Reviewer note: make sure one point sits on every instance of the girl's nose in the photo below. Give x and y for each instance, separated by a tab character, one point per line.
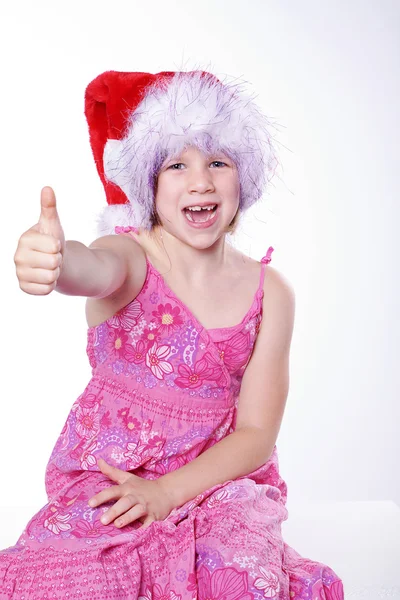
201	181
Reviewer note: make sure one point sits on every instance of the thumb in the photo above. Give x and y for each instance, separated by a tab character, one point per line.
113	473
48	209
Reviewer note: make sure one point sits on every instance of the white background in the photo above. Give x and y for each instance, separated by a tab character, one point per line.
328	74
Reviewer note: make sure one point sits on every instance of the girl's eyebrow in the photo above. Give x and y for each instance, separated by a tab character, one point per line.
212	157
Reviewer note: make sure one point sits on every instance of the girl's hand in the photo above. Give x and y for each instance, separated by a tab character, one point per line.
137	497
40	252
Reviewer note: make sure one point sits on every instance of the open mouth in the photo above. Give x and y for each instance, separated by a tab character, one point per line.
197	214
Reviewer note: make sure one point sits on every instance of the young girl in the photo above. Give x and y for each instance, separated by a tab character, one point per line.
164	482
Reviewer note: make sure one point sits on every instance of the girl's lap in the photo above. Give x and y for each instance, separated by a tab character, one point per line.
68	516
230	511
232	535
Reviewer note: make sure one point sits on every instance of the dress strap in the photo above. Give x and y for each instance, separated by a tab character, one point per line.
267	258
127	229
264	262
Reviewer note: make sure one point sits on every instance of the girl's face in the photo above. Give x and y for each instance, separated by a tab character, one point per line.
192	180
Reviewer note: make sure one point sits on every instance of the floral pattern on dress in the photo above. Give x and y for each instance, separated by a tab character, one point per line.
163	390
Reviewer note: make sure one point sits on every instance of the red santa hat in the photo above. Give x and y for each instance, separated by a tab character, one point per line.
138	120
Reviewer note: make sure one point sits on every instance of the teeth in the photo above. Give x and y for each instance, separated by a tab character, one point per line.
190	218
201	208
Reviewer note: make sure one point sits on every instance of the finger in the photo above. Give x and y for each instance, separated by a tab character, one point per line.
48	208
44	260
147	522
41	276
132	515
37	289
112	472
111	493
123	505
35	239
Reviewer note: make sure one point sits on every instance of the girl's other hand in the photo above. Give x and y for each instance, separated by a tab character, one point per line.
138	498
39	255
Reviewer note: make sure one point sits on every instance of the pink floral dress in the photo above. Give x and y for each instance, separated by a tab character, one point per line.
163	389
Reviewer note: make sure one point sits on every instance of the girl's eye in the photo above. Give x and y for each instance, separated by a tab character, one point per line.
177	164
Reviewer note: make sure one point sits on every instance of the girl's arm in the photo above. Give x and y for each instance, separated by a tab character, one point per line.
262	401
101	269
45	261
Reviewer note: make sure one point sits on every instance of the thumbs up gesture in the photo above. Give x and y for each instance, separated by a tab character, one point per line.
39	255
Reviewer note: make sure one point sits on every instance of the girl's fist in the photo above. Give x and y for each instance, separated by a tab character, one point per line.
39	255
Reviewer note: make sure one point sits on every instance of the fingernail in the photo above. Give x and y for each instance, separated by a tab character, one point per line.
104	519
